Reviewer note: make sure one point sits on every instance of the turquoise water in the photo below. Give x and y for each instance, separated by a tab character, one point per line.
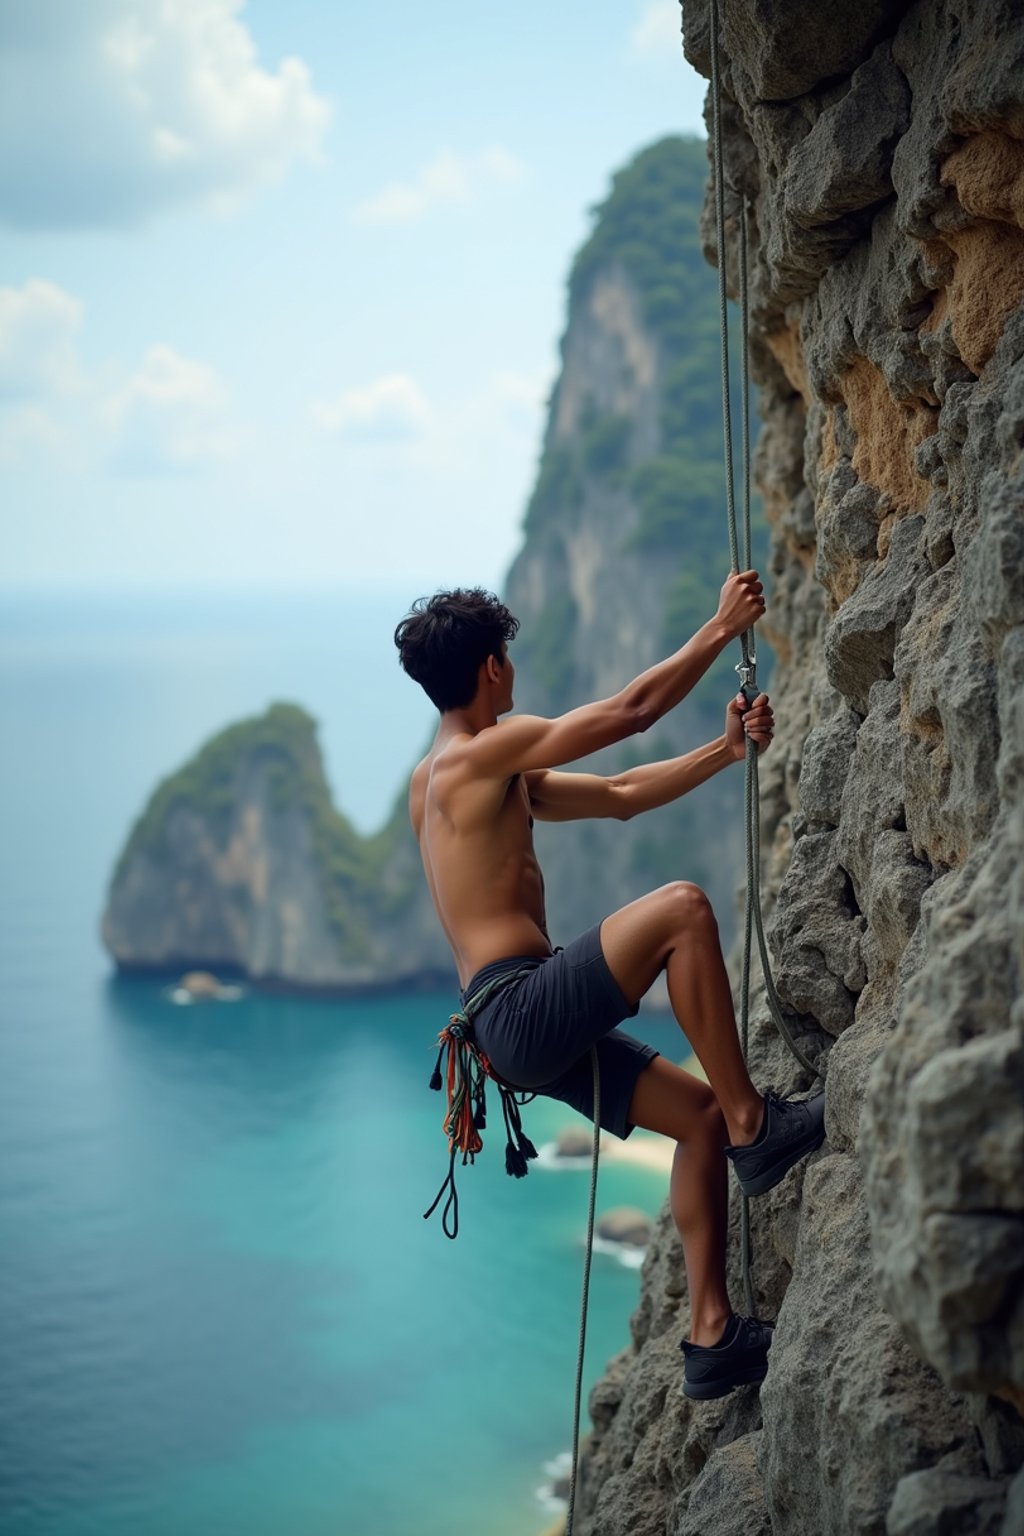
221	1311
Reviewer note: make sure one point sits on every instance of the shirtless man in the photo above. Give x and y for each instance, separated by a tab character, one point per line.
473	800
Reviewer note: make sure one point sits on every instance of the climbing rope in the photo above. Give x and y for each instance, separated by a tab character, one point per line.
594	1156
466	1075
747	669
747	666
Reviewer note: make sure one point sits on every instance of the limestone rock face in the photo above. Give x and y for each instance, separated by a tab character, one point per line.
626	546
881	151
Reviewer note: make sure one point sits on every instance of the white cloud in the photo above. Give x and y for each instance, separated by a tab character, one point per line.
394	412
114	109
169	416
446	180
521	397
500	165
391	409
29	431
38	347
658	28
522	388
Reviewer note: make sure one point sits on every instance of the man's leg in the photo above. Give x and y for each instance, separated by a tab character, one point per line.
674	930
674	1102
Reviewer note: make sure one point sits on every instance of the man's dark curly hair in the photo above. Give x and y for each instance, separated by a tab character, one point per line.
444	639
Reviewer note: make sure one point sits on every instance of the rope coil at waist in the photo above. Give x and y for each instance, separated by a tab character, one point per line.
466	1073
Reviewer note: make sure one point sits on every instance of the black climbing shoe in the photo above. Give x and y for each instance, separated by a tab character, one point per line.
740	1356
791	1128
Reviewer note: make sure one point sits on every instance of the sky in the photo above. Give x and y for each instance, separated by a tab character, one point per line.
282	282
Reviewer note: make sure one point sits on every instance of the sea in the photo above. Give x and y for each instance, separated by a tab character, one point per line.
222	1312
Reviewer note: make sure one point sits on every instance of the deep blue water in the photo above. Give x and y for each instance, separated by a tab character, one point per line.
221	1313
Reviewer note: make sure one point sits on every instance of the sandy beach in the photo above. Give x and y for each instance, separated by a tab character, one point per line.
644	1149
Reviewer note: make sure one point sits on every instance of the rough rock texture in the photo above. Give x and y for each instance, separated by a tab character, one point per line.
882	153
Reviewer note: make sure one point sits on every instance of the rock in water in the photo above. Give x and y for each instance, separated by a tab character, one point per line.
625	1224
200	984
574	1141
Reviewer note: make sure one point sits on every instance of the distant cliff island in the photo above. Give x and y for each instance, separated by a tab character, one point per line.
241	864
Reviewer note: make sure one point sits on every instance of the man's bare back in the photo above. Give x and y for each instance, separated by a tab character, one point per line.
476	842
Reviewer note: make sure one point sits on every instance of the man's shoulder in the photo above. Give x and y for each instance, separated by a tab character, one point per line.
510	731
436	766
454	766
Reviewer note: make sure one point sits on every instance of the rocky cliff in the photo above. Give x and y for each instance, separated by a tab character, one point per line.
881	151
240	861
626	542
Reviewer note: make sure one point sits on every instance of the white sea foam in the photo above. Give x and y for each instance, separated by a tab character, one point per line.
626	1254
555	1470
226	994
548	1156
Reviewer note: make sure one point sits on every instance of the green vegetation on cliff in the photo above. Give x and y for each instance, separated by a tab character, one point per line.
648	227
648	224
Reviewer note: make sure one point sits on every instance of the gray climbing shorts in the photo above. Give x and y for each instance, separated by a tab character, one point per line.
538	1031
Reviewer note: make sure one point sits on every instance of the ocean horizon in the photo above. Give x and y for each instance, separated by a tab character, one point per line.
222	1308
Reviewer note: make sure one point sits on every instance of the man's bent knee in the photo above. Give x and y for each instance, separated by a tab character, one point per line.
713	1121
707	1123
689	906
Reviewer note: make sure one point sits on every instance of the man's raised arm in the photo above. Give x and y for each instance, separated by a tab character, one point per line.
530	741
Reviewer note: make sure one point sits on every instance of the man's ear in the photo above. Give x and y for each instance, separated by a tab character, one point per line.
493	668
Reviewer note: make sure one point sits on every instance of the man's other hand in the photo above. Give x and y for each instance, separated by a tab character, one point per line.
757	722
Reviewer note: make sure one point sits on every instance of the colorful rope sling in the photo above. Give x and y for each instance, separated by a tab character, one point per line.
467	1072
